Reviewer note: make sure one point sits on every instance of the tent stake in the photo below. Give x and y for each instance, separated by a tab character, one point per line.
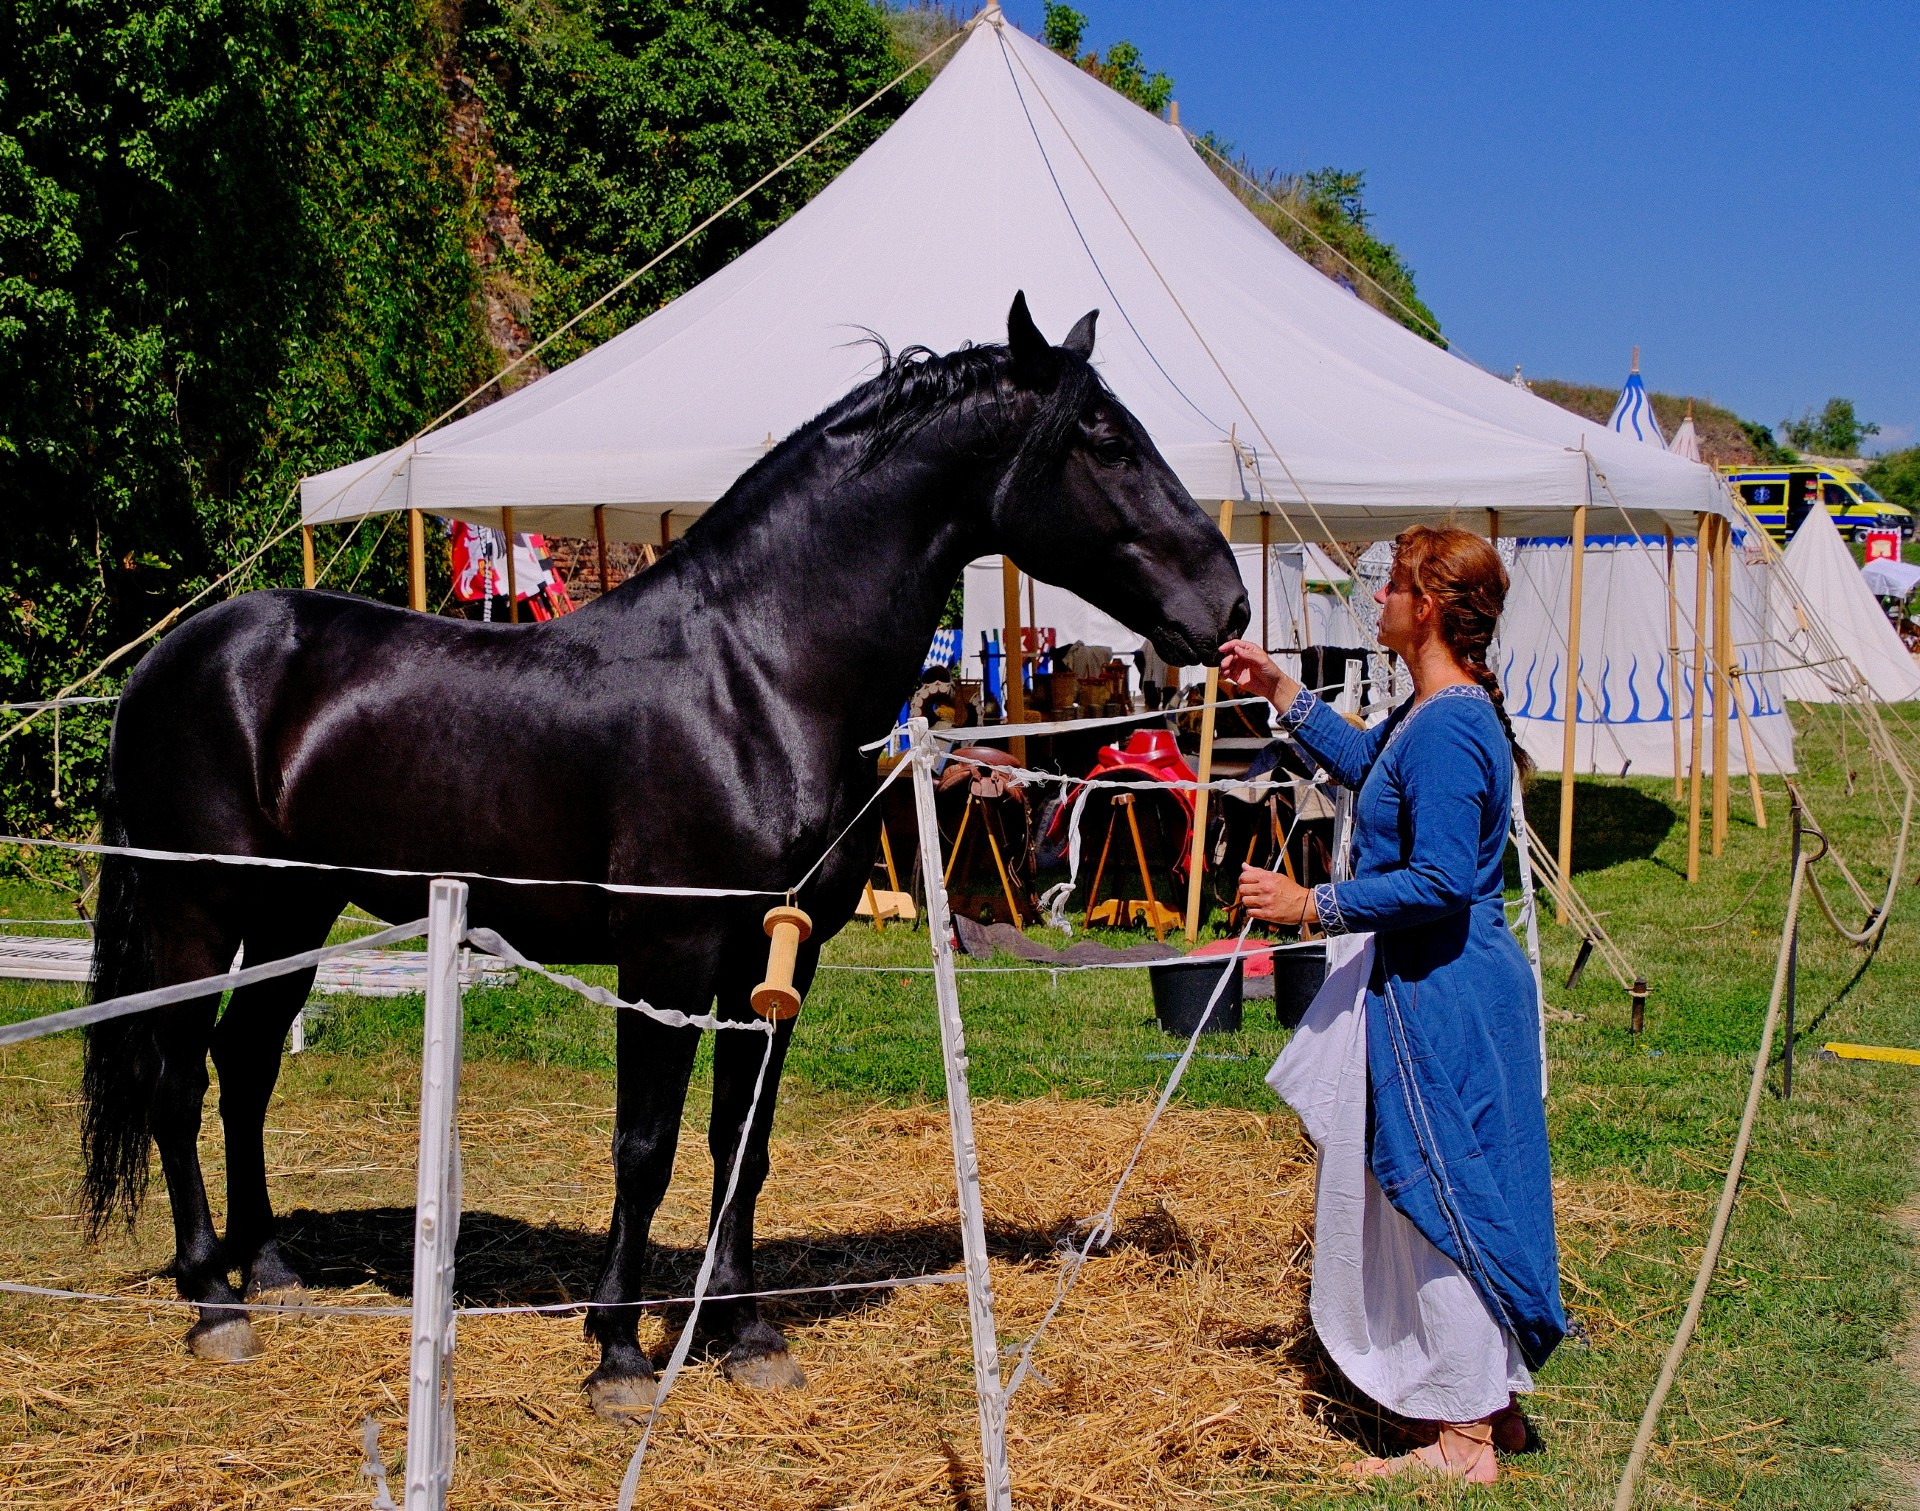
1701	553
416	561
513	588
1570	708
1199	850
1013	661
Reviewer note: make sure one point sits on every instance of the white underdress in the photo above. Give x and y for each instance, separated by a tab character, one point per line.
1401	1319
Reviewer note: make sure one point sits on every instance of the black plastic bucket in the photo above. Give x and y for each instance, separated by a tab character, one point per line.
1181	989
1298	975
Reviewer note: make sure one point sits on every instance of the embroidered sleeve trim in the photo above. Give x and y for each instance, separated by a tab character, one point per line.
1326	902
1295	713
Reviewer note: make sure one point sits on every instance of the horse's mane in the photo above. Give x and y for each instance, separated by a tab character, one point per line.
917	385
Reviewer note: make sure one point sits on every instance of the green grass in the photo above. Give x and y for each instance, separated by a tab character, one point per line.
1805	1320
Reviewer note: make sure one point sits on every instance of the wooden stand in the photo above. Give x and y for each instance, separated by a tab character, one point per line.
999	860
776	997
1118	911
1570	705
1196	859
890	901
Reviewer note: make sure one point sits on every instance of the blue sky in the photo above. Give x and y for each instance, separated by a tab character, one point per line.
1733	187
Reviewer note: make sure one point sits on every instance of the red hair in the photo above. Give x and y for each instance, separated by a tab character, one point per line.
1464	578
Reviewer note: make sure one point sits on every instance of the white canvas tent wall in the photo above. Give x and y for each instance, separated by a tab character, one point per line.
1628	691
1260	379
1830	586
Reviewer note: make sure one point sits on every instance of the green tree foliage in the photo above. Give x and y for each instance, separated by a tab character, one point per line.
1835	431
1896	477
630	121
231	251
1322	215
1122	69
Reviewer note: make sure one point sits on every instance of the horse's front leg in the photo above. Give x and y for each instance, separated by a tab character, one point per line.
654	1064
757	1354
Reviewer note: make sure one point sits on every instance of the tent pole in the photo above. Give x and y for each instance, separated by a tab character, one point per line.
308	573
1199	849
1493	527
1723	684
416	561
1266	571
1746	747
513	590
1701	553
1570	707
666	529
1673	666
600	540
1013	663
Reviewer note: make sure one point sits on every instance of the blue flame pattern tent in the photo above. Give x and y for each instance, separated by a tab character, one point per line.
1633	414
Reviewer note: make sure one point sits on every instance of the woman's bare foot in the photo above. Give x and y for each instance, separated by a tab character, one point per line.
1463	1451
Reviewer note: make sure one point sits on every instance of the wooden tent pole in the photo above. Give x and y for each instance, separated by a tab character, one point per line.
513	591
416	561
1013	665
308	573
1266	572
1673	666
1570	705
1723	684
600	540
666	529
1198	852
1746	747
1701	552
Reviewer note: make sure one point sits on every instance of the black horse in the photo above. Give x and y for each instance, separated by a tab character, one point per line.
699	727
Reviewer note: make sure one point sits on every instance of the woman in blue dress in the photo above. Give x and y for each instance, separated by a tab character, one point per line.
1418	1069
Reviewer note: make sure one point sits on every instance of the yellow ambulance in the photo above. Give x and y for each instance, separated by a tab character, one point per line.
1780	497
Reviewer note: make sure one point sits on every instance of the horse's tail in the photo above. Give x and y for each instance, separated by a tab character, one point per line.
123	1057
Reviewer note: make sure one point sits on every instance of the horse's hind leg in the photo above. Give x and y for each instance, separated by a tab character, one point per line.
246	1052
757	1354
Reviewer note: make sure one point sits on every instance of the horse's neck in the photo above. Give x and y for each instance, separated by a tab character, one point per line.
837	584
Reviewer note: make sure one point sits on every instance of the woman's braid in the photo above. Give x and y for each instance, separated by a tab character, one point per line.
1467	582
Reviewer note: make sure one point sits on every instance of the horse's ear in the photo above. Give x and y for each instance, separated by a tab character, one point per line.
1033	360
1080	339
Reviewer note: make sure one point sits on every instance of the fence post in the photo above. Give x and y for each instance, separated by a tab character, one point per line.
436	1212
966	1158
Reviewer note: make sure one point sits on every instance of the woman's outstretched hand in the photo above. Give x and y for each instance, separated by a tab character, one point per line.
1274	897
1245	664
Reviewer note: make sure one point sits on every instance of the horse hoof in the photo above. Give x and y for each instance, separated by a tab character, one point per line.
620	1399
225	1341
772	1370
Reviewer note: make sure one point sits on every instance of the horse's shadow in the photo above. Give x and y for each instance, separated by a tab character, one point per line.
506	1261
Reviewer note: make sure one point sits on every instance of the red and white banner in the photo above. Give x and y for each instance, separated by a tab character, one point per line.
480	570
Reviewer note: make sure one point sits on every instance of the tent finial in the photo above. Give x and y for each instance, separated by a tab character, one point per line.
1689	409
1636	359
1173	118
989	14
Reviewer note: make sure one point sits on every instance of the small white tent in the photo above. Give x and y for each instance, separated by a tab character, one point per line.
1629	690
1260	379
1633	414
1822	569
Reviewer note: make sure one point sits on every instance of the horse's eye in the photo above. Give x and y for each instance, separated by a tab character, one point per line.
1112	452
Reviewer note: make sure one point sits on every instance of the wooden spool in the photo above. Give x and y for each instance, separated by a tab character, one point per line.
775	997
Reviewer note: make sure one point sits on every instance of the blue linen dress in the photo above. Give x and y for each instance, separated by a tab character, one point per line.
1459	1133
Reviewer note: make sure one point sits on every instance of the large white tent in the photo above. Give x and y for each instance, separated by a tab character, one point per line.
1261	380
1829	585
